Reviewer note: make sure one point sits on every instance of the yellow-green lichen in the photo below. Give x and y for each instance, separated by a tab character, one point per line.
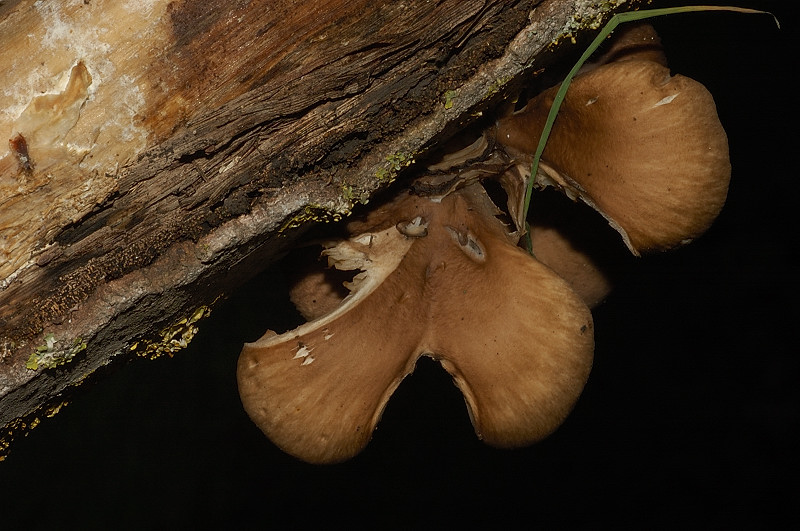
49	356
24	425
173	338
10	430
400	160
311	213
449	98
354	195
315	213
498	84
593	18
396	162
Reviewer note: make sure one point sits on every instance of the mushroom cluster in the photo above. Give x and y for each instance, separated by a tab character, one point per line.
441	274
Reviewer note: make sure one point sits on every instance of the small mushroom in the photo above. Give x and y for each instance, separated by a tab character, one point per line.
643	148
442	277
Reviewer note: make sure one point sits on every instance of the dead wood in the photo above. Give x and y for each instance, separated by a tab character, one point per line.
160	153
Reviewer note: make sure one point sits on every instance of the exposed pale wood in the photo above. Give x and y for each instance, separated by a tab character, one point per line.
156	150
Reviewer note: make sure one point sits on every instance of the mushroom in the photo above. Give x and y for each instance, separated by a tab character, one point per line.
442	277
643	148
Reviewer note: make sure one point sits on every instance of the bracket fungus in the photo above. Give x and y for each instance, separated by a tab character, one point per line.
440	274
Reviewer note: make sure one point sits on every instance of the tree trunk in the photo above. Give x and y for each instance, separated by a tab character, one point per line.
161	153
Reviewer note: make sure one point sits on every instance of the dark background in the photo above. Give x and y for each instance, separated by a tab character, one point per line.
689	419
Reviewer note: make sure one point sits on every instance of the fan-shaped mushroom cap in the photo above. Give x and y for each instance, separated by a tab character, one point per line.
644	148
441	278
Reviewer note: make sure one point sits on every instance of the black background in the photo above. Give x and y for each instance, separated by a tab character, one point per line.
689	419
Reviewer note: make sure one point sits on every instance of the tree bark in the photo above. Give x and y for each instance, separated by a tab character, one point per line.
161	153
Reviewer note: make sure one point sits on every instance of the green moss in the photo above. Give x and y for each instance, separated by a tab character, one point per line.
315	213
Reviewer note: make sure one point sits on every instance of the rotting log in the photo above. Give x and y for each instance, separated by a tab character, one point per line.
160	153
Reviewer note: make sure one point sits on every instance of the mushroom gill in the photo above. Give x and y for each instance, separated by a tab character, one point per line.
440	277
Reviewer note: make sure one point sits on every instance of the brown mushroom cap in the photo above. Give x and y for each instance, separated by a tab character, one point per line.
578	245
554	248
631	41
516	339
644	148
